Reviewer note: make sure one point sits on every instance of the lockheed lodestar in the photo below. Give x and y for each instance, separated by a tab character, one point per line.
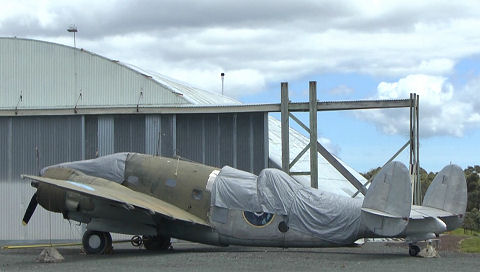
160	198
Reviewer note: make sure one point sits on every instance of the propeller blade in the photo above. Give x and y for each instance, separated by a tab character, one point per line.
30	209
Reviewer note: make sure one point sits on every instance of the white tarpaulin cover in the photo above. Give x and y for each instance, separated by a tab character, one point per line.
331	217
111	167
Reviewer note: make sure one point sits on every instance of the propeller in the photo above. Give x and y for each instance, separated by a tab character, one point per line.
30	209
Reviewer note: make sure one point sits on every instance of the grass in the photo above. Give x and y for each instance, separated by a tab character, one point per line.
460	232
471	243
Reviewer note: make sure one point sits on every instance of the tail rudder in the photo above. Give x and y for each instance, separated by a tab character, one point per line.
387	204
448	192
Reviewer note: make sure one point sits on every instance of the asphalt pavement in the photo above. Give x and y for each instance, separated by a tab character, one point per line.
185	256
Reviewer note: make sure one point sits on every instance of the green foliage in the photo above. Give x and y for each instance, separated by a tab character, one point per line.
425	180
472	220
472	181
370	174
473	187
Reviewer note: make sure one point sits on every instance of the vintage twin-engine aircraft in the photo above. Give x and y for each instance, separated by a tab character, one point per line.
161	198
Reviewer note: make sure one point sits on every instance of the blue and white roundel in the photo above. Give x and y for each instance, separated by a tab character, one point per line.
258	219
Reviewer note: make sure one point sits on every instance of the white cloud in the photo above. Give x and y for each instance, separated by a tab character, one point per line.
443	109
257	42
341	90
330	146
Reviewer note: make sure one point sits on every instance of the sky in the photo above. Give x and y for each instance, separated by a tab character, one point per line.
354	50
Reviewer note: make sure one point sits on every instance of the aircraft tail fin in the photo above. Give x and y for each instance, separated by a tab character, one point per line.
387	204
448	192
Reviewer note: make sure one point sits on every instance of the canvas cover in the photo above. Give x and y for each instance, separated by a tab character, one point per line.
111	167
331	217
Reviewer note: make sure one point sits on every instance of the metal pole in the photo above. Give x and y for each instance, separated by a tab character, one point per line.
285	128
313	135
222	75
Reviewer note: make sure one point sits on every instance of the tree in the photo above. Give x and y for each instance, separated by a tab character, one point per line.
473	187
472	220
472	182
425	180
473	200
371	173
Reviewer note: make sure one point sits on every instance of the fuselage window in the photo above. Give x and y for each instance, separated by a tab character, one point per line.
258	219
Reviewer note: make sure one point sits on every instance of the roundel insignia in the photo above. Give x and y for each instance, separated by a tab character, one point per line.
258	219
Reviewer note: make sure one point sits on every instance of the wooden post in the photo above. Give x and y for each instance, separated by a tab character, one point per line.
414	148
285	128
313	135
417	159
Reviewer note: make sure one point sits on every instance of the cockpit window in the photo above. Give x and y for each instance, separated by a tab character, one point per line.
258	219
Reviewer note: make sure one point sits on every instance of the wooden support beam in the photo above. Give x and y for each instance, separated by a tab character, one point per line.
299	173
417	110
304	150
340	168
300	123
313	135
285	128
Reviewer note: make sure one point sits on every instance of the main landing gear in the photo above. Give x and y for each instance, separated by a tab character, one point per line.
156	242
96	242
151	242
413	250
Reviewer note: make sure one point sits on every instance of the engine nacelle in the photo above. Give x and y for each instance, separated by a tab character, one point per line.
59	200
51	197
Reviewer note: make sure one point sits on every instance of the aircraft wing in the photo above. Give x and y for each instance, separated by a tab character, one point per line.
122	196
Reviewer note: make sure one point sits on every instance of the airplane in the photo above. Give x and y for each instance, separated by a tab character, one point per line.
158	198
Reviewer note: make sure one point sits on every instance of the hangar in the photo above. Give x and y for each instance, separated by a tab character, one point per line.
60	103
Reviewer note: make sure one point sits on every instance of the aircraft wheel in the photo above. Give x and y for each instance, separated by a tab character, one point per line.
413	250
156	242
96	242
136	241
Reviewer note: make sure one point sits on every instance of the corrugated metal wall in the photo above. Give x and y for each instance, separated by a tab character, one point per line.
129	133
105	136
28	144
223	139
5	148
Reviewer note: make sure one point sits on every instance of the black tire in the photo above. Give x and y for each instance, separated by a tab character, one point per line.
156	242
96	242
413	250
136	241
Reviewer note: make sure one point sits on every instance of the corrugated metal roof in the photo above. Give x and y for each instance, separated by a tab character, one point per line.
192	94
49	75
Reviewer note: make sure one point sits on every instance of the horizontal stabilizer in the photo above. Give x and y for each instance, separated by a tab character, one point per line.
381	213
387	204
